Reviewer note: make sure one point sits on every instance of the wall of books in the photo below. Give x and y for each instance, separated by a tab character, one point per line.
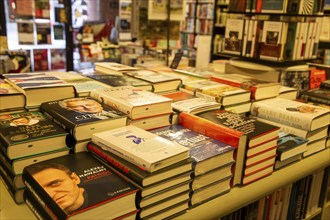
35	26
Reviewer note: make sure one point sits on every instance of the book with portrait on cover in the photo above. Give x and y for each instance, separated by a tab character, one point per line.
29	133
142	148
83	116
67	188
134	102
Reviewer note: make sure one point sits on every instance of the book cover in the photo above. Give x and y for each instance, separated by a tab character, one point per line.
82	117
193	86
43	33
134	102
259	89
58	32
140	176
195	105
206	152
25	33
178	95
288	112
121	80
84	190
141	147
273	6
236	6
29	133
114	66
273	40
161	81
321	96
42	9
8	93
306	7
40	60
291	40
317	76
58	59
233	36
151	122
289	145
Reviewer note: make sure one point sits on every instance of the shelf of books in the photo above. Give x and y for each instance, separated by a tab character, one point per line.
220	206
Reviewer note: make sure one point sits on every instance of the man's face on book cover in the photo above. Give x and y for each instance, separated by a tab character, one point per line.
62	187
84	105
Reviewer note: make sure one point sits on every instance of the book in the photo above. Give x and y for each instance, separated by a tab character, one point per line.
25	33
151	122
161	81
105	189
224	94
195	105
35	206
315	146
325	84
319	95
82	84
16	194
240	108
136	103
9	93
29	133
141	147
233	36
273	6
279	164
178	95
317	76
42	9
40	60
135	173
207	153
291	41
193	86
40	87
121	80
247	179
291	113
259	89
273	40
288	93
112	68
58	31
58	59
82	117
15	179
43	33
290	145
256	167
193	71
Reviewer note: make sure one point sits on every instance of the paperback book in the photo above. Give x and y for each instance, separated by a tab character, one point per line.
29	133
82	117
145	149
94	186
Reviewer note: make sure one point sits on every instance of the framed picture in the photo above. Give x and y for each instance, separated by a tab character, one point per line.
157	10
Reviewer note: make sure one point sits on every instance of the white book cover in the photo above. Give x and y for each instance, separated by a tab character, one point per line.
115	66
234	36
271	40
309	40
135	102
143	148
245	35
293	113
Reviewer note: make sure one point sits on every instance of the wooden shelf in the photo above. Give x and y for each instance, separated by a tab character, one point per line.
241	196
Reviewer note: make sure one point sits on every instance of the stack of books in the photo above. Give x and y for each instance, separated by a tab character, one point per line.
159	167
78	186
24	140
255	141
305	120
81	117
40	87
319	95
144	109
212	162
290	148
112	68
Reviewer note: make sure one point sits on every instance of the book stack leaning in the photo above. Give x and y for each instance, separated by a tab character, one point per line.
160	168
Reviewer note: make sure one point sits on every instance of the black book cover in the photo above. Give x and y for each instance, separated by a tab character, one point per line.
119	80
287	142
35	206
25	130
320	95
141	177
79	185
74	112
16	179
251	127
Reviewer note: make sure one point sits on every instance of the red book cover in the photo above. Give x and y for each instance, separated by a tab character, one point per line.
316	77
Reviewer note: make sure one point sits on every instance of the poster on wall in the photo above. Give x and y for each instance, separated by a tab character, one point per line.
157	10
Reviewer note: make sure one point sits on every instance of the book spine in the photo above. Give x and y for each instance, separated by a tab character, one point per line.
43	198
35	207
119	166
305	95
16	194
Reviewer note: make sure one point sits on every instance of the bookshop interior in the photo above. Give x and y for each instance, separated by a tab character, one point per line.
165	109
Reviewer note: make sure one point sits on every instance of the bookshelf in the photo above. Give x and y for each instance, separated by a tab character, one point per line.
220	206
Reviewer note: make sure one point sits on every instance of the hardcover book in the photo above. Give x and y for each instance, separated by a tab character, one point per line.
259	89
151	122
16	194
29	133
58	59
290	145
195	105
234	36
321	96
136	103
140	176
16	179
40	87
273	6
143	148
25	33
40	60
112	68
206	152
292	113
43	33
193	86
8	93
121	80
325	84
161	81
91	188
82	117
